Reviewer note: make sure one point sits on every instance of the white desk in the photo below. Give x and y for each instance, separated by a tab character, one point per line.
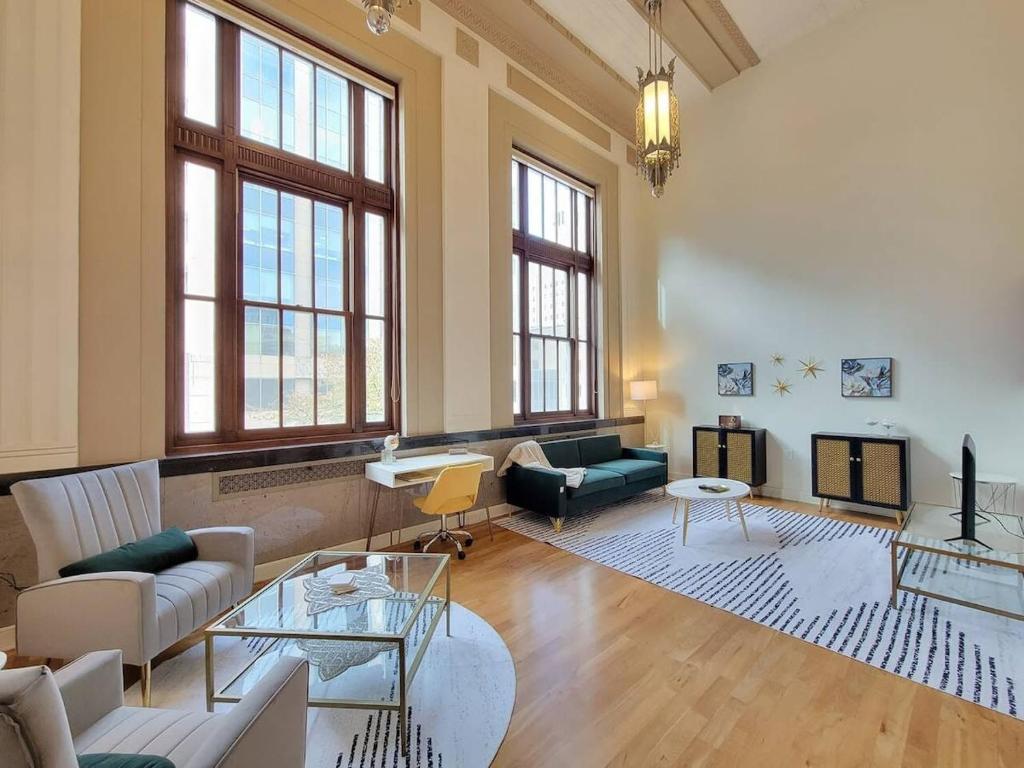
415	470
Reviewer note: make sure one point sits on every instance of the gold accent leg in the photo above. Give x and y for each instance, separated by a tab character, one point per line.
209	673
490	530
557	523
743	520
146	683
821	506
686	518
728	512
448	598
675	511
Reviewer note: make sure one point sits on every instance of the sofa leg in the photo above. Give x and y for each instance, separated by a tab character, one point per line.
556	522
146	683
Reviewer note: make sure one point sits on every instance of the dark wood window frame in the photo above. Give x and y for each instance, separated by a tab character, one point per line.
236	158
533	249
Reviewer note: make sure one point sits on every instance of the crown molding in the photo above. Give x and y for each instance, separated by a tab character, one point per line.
570	68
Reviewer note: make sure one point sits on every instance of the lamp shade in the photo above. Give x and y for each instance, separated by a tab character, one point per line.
643	390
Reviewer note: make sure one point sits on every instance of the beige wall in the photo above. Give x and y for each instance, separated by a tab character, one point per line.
858	194
448	362
39	124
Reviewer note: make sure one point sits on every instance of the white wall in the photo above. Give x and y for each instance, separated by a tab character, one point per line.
40	44
861	193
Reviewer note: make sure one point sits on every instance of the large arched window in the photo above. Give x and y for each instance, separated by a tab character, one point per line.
553	349
282	263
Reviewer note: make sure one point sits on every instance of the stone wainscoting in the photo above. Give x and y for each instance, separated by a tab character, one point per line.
294	508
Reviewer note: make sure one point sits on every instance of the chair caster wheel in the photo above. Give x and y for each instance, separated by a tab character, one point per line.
469	543
417	545
462	555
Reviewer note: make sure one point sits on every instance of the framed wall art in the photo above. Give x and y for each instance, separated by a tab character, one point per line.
867	377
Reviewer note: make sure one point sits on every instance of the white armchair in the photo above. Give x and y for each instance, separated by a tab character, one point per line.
47	719
72	517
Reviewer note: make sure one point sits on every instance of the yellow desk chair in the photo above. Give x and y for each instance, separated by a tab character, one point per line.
454	491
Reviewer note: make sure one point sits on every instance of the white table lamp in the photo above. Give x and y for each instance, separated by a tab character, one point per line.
642	391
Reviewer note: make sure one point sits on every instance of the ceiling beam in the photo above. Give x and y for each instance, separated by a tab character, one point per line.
704	35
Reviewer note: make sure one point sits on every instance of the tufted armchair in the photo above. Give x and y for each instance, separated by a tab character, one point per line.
72	517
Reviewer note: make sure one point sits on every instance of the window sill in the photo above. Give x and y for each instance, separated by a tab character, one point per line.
361	447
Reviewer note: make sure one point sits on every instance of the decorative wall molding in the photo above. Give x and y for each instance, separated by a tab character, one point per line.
733	30
467	47
541	97
611	102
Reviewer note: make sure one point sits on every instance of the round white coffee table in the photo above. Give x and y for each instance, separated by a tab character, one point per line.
690	490
3	659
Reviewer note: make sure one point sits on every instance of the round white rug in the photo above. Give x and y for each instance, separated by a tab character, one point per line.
460	702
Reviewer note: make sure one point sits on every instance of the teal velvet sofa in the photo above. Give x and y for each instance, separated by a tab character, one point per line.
613	473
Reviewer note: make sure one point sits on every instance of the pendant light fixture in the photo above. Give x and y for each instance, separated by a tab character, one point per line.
657	114
379	13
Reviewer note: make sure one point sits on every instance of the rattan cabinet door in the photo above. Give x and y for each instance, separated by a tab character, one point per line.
881	474
739	456
705	455
833	458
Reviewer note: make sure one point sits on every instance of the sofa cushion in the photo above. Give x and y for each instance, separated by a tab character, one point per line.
34	730
176	735
189	595
596	480
150	555
632	469
562	453
594	450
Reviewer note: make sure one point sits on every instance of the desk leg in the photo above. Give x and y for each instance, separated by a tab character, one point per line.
373	514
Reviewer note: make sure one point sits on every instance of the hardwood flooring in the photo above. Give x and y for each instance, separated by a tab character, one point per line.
614	672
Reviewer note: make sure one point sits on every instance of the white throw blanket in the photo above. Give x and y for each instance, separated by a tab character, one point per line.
530	454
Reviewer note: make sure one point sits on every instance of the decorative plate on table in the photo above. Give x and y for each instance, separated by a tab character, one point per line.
369	585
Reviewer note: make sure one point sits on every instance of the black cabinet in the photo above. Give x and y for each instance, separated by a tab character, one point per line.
863	469
738	454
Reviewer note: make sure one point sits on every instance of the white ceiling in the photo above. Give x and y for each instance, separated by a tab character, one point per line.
618	34
772	24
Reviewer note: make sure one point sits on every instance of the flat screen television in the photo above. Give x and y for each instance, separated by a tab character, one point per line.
968	500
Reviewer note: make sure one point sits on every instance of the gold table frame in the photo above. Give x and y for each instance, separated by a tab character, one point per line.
969	553
400	639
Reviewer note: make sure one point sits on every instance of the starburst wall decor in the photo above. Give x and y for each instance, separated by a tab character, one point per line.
782	387
777	359
810	368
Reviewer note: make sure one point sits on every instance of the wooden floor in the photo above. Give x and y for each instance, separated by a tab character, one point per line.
613	671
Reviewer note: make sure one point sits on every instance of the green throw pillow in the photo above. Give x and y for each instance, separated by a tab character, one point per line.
152	555
123	761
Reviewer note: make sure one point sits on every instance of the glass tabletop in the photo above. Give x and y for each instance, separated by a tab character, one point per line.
931	527
393	589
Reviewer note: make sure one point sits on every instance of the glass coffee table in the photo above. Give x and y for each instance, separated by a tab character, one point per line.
363	648
989	578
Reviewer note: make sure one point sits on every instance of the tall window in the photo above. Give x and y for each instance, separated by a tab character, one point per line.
282	263
554	356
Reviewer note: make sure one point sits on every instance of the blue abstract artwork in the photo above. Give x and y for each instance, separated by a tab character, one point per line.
867	377
736	379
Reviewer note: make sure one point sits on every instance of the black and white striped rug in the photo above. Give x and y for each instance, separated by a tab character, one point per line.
816	578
